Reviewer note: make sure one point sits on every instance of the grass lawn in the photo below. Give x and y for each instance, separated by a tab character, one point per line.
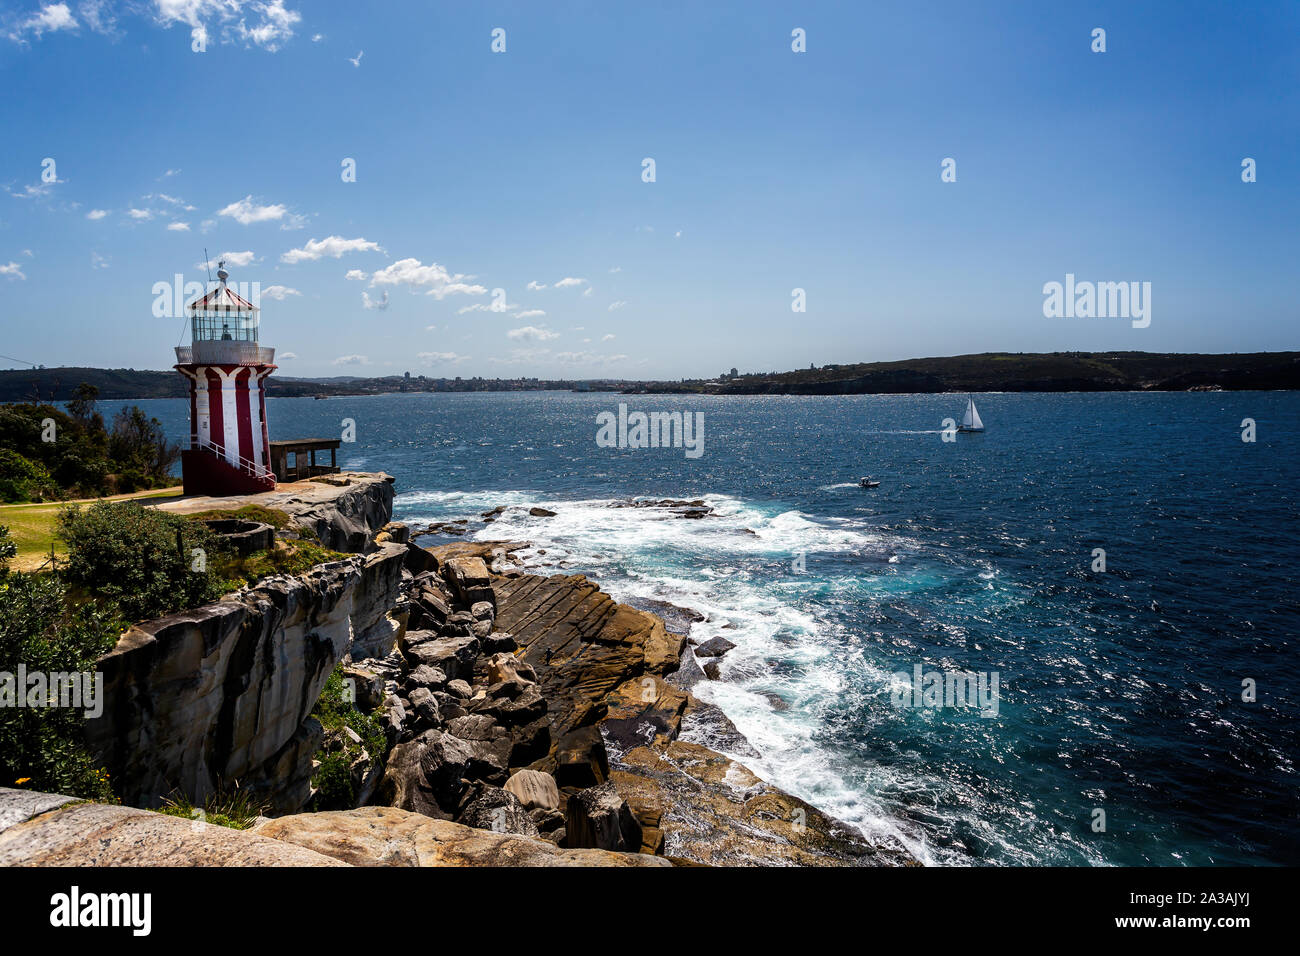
33	526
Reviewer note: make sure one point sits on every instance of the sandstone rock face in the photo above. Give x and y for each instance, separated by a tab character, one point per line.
385	836
93	834
201	698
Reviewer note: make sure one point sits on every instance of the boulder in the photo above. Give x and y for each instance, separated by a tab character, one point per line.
424	775
425	707
714	647
535	790
498	810
418	560
541	513
469	579
454	656
367	687
425	676
580	759
460	688
598	817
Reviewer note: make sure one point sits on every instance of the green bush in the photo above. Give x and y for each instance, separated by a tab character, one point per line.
333	781
141	558
22	479
43	748
7	549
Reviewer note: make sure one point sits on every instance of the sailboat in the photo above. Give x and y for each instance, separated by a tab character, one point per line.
970	422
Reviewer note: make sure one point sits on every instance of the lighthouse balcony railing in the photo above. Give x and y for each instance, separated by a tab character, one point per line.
221	352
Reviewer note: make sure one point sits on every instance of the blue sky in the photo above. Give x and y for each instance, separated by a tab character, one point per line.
775	170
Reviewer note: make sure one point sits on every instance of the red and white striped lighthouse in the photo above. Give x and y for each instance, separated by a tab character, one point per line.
229	451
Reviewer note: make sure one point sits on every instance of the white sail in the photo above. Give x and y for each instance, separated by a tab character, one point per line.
971	420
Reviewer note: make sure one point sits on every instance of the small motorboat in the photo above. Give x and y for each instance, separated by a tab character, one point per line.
867	482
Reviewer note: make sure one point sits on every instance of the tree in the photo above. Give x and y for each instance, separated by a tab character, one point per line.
43	748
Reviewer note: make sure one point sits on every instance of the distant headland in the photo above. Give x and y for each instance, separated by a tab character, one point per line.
983	372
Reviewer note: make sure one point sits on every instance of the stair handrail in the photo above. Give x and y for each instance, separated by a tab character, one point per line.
250	468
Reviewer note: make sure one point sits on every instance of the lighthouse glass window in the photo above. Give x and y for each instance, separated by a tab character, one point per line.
225	326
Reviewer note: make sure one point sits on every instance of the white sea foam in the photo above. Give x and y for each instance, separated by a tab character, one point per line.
735	568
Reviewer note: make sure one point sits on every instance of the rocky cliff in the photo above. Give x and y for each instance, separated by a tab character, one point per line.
202	698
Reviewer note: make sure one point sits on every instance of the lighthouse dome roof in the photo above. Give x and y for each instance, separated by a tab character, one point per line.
221	298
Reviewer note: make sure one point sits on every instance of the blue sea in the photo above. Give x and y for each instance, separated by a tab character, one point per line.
1119	691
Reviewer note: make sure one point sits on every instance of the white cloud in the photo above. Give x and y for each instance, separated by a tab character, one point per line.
607	338
283	356
99	262
351	360
532	333
49	19
440	282
356	60
529	314
236	259
140	214
356	275
334	246
317	37
169	173
569	282
13	271
263	23
441	358
380	304
615	269
535	286
178	227
615	306
586	293
96	214
279	292
245	211
677	234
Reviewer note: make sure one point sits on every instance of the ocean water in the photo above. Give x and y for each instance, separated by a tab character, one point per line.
1119	691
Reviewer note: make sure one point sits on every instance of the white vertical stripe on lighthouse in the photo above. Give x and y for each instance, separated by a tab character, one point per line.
201	407
255	416
230	415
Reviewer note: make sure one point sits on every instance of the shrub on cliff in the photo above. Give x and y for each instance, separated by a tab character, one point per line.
147	561
335	780
42	747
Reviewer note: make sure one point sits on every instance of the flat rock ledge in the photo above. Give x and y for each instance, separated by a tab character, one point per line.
39	829
343	511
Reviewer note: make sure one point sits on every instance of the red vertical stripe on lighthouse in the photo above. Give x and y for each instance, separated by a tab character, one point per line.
216	415
194	412
245	413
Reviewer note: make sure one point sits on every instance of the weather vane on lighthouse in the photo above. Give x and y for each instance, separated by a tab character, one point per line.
229	452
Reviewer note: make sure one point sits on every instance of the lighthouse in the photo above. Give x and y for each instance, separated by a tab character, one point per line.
226	367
